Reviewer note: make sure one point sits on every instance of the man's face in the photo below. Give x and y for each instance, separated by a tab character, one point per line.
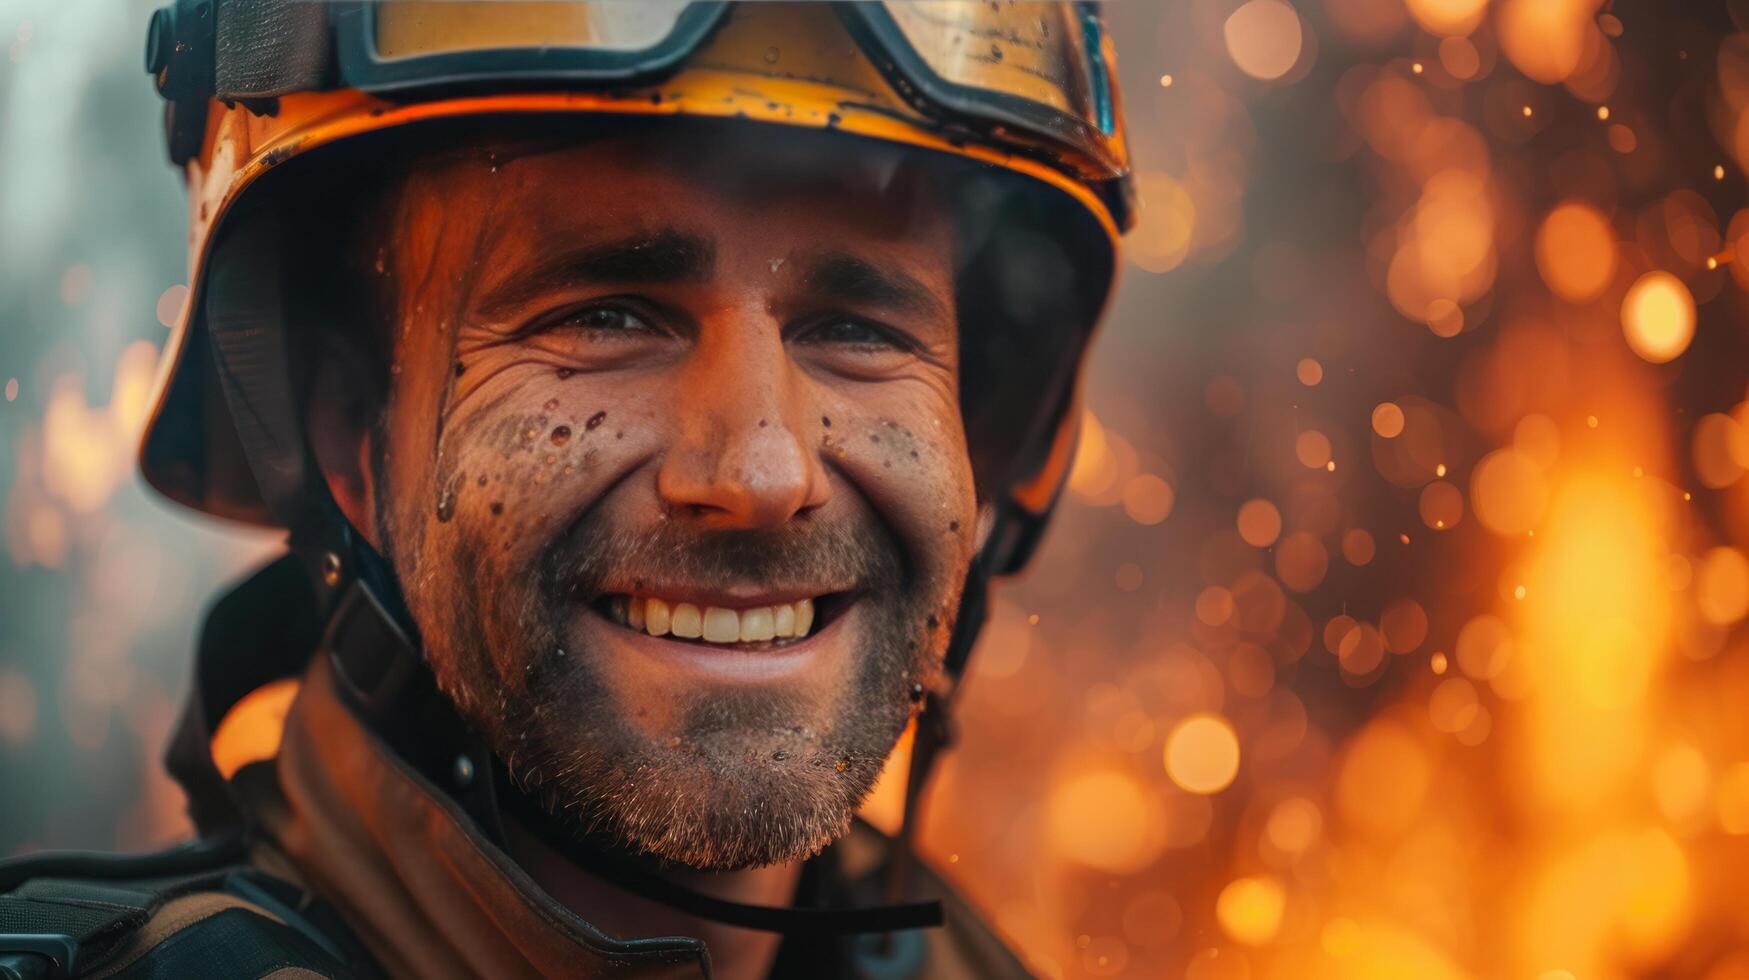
659	400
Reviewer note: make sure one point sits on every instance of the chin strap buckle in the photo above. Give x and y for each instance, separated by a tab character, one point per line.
373	658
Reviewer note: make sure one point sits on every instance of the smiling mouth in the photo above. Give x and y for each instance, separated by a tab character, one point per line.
761	627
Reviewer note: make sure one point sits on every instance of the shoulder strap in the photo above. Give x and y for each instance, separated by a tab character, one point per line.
49	926
62	908
64	915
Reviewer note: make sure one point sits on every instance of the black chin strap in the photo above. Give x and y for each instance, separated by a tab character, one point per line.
385	681
639	877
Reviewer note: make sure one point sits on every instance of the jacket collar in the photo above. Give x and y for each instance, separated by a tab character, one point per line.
422	886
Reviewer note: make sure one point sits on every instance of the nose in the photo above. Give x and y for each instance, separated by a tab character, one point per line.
741	459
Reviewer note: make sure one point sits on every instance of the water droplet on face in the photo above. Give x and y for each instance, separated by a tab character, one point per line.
561	435
771	55
595	420
551	404
776	264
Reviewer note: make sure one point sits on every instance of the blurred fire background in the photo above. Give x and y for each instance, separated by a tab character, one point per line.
1393	623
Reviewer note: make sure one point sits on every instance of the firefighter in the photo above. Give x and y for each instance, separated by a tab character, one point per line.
649	393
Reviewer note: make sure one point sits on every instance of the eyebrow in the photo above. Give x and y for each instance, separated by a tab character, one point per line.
847	278
666	255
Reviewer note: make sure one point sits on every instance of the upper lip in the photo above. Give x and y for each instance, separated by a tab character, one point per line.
743	596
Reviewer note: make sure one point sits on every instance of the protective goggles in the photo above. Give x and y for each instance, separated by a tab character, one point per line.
1026	73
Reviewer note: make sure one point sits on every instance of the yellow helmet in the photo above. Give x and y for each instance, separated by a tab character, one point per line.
1024	88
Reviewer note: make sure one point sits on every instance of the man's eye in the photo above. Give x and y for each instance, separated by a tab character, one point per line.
608	319
854	333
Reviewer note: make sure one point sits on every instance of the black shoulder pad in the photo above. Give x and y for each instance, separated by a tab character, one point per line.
234	943
67	913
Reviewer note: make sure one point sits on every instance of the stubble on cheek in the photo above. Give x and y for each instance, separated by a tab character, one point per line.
504	486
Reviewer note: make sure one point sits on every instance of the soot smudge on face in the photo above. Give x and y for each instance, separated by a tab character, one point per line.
446	497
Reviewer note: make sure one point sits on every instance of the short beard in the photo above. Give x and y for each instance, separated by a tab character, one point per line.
740	783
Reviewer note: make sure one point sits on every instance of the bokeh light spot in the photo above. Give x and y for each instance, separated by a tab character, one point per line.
1358	547
1404	626
1453	705
1147	499
1484	645
1657	317
170	304
1264	38
1576	251
1441	505
1250	909
1202	754
1301	561
1312	449
1259	523
1508	492
1722	586
1721	450
1106	819
1387	420
1452	18
1294	825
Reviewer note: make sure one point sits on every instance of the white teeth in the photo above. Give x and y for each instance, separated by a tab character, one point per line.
656	621
714	624
758	625
721	625
688	622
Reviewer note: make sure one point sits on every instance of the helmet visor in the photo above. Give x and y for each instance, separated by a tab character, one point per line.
416	28
1041	67
1039	70
392	45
